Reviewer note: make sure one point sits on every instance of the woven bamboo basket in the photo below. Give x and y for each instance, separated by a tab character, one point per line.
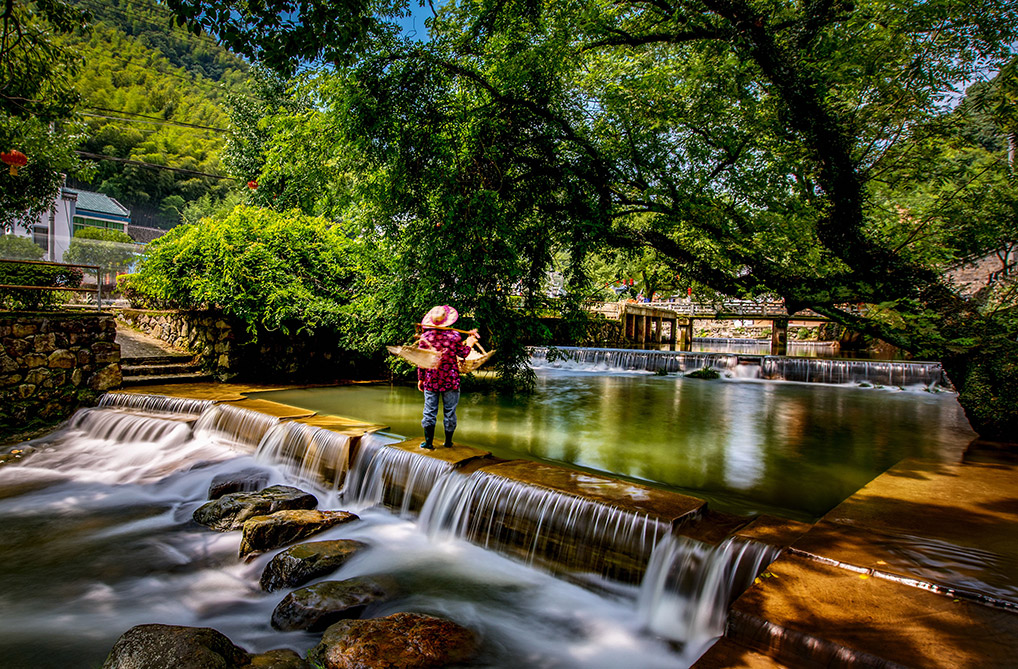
419	357
475	359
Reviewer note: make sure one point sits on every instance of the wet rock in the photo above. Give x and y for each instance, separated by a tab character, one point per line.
301	563
278	659
262	533
230	511
317	606
246	480
165	646
396	641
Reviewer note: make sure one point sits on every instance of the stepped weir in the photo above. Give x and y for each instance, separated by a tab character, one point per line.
460	528
607	534
778	368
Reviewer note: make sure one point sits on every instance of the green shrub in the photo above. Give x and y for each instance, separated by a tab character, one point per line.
280	271
110	250
704	373
19	248
18	274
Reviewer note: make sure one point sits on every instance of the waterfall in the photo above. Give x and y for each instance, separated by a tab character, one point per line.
881	372
239	426
689	585
120	426
160	403
614	359
539	524
115	446
810	370
312	454
398	478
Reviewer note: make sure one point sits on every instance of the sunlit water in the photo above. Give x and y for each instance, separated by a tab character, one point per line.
97	537
796	450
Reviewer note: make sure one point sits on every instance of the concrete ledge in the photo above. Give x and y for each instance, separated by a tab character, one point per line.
806	613
726	654
631	497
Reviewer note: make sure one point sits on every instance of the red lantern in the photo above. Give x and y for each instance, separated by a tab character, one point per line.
252	184
15	159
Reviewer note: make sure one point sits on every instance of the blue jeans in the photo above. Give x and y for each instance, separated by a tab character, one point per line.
450	398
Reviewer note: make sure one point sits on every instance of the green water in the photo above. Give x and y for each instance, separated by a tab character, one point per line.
794	450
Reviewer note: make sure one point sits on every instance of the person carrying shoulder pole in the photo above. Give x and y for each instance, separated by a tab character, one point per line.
444	380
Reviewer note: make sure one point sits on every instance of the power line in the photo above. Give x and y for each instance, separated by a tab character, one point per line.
150	19
143	118
138	163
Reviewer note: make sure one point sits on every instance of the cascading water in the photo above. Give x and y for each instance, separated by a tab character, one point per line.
122	426
807	370
689	586
883	372
240	426
97	537
314	455
541	524
399	479
612	359
160	403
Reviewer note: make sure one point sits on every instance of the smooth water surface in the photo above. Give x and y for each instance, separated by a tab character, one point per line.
792	449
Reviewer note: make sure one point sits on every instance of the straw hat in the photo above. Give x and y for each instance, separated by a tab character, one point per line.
440	317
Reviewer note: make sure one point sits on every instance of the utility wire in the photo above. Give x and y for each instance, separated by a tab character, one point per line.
143	118
153	20
138	163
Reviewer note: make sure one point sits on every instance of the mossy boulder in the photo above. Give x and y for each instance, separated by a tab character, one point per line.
263	533
401	640
317	606
299	564
704	373
154	646
230	511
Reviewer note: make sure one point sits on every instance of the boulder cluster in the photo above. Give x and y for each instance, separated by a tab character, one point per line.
275	517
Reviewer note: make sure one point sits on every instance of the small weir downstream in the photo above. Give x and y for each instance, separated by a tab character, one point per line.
97	537
897	373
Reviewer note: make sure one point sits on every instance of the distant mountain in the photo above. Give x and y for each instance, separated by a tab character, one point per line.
153	94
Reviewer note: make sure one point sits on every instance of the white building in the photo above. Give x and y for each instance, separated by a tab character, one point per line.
72	211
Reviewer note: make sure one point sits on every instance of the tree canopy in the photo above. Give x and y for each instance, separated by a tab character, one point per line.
757	147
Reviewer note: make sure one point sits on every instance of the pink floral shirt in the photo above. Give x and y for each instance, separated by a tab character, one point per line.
447	375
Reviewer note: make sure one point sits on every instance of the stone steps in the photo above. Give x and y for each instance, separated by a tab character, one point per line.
158	378
162	369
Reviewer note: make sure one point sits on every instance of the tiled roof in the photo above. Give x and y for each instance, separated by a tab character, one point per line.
98	203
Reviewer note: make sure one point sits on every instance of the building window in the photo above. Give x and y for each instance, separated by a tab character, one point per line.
81	222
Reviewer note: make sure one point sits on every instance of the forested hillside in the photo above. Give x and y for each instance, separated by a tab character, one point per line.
154	94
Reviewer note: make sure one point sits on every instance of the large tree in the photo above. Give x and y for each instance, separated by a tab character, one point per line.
36	98
762	147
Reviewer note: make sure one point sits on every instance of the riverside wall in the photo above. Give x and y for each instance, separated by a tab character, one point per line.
227	348
53	363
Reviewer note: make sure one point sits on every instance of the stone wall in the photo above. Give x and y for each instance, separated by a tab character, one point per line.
208	335
51	364
225	347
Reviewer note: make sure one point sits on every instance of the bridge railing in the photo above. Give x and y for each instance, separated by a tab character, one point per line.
749	309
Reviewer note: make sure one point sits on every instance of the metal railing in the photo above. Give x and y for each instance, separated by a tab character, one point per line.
98	289
727	309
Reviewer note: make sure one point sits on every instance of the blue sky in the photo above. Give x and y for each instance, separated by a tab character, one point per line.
414	24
